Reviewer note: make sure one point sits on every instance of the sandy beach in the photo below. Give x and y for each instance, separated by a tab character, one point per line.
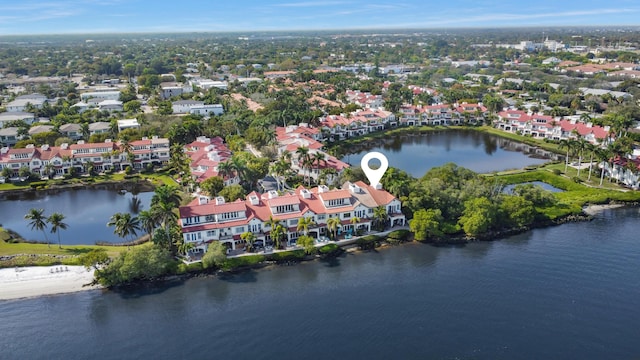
594	209
24	282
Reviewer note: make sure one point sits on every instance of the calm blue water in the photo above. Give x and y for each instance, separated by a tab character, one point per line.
87	213
567	292
509	188
480	152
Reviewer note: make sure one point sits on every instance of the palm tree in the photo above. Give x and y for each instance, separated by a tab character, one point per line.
166	194
591	149
568	144
580	146
225	169
354	220
125	224
317	158
332	226
148	221
38	221
277	234
380	217
165	214
304	223
303	157
84	129
250	238
56	225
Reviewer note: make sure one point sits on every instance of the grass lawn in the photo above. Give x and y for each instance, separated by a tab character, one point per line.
43	255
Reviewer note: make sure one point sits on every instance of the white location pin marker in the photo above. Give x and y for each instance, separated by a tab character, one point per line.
374	175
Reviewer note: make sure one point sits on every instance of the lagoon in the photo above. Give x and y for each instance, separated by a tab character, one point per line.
475	150
87	213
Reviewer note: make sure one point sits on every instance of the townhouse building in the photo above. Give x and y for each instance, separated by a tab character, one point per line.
548	127
206	220
442	114
205	156
339	127
46	160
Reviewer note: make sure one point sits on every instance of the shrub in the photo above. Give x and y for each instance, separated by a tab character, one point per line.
368	242
556	171
576	179
242	261
399	235
283	256
188	268
38	184
330	250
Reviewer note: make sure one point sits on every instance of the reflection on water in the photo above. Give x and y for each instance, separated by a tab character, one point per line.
478	151
86	211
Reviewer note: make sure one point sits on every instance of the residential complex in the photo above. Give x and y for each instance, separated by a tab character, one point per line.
46	160
206	220
548	127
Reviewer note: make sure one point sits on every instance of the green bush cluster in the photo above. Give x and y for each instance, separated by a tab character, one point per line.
330	249
398	236
242	261
283	256
368	242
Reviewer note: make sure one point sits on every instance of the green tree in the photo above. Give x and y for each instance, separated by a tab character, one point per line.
232	193
278	234
148	221
94	259
139	263
38	222
304	224
516	211
124	225
380	218
249	238
56	220
332	225
215	256
478	216
308	243
426	224
212	186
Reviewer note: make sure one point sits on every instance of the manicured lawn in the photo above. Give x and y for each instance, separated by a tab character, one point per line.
41	249
42	255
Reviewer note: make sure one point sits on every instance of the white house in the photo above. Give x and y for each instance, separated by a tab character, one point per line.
128	124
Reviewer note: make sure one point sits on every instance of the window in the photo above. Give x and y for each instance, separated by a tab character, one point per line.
293	222
322	217
284	209
336	202
346	215
211	233
239	230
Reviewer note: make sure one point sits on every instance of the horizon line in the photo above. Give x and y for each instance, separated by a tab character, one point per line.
342	30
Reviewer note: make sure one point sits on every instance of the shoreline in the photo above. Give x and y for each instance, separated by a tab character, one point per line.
37	281
594	209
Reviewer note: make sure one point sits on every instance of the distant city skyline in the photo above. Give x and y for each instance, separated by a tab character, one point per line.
26	17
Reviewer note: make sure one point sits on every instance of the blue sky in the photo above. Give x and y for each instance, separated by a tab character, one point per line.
100	16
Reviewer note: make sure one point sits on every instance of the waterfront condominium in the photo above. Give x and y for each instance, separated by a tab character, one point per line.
205	220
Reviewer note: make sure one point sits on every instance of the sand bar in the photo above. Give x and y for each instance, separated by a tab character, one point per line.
25	282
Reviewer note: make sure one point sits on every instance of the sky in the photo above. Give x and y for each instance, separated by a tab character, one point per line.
18	17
